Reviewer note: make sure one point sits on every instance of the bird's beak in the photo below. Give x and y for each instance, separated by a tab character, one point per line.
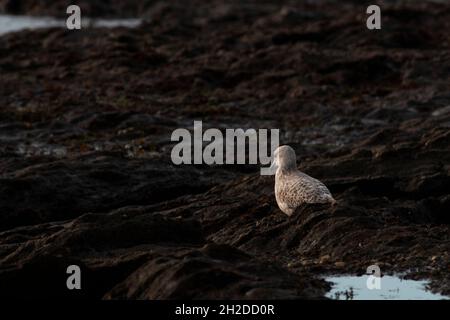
274	165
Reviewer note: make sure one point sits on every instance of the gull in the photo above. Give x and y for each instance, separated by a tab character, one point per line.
293	187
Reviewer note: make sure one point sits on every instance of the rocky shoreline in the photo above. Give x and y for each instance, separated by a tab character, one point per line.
87	179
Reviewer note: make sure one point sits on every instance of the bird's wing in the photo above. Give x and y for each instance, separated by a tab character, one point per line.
302	188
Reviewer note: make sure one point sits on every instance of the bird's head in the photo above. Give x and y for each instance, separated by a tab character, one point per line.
284	158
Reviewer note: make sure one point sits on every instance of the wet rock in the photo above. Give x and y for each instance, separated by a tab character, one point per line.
131	254
64	189
366	113
11	6
220	278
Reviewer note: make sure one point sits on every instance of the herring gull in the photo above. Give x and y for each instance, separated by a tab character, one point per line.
293	187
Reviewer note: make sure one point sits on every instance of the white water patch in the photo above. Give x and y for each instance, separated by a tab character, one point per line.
392	288
41	149
11	23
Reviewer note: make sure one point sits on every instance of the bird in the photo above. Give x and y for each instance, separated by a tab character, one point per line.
293	187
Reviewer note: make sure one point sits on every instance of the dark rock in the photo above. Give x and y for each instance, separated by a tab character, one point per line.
86	176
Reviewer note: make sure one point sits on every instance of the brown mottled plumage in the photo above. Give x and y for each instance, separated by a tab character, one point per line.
292	187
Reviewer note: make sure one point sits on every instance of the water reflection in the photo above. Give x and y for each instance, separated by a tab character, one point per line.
11	23
392	288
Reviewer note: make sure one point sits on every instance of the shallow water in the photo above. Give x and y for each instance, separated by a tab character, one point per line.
41	149
391	288
10	23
